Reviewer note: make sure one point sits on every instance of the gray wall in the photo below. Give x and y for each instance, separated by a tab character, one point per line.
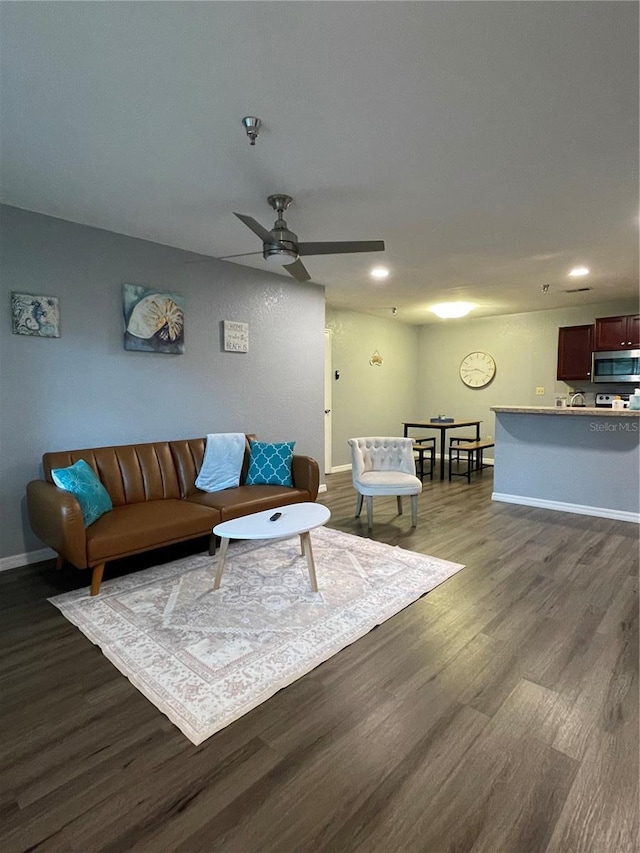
84	390
370	400
525	348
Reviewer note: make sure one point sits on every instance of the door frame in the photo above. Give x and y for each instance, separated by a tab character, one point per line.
328	395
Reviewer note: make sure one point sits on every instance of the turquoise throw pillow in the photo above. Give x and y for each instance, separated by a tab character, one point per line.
270	464
80	480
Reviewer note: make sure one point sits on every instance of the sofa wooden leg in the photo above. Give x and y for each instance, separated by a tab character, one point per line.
59	561
96	578
212	545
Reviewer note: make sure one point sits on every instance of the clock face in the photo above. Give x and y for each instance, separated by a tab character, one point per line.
477	369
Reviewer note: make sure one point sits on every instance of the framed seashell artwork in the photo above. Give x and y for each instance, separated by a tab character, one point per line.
153	319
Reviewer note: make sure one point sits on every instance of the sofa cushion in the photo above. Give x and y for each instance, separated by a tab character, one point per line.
233	503
270	463
130	473
80	480
149	524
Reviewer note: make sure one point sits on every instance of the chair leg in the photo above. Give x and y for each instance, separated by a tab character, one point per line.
369	511
399	499
414	510
358	505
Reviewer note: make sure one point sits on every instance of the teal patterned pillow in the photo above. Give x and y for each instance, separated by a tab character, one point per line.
80	480
270	464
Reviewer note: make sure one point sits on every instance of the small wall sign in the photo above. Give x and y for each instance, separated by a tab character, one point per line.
236	336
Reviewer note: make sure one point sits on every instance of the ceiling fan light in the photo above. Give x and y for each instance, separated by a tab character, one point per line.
280	256
450	310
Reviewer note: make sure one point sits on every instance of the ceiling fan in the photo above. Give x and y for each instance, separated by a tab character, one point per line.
281	246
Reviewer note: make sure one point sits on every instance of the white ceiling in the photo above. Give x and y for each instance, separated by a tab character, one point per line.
491	145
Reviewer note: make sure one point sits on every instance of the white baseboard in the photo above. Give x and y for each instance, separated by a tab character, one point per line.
337	469
25	559
578	509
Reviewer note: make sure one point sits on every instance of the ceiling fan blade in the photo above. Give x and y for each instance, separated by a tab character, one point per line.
340	247
298	270
243	255
251	223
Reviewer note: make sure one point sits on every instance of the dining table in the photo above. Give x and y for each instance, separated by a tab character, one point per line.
443	426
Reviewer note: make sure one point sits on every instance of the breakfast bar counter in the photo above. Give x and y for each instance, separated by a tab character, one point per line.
590	411
582	460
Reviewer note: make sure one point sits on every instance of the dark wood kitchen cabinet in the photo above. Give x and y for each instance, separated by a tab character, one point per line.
575	345
617	333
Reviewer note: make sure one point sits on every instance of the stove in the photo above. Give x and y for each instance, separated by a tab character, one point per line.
604	401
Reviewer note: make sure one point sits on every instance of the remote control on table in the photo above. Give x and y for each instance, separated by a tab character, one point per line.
275	516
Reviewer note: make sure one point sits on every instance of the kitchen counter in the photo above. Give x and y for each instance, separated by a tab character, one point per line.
569	410
583	460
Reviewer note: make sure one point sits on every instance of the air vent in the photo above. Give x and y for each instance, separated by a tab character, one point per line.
578	290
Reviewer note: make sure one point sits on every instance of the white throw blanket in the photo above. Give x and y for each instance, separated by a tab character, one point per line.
222	463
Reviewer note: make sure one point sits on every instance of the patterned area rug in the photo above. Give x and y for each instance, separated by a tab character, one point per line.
205	658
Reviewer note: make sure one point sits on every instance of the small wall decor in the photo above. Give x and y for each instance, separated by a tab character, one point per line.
153	319
376	359
236	336
35	315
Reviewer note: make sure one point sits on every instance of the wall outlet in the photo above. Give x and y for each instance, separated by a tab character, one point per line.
539	391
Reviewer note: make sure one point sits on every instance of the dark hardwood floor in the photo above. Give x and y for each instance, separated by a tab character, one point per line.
497	714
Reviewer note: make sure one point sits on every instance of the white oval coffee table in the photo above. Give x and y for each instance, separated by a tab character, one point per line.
294	520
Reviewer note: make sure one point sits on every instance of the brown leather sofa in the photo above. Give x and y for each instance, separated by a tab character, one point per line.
155	501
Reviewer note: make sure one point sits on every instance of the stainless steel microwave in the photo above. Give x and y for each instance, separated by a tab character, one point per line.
616	366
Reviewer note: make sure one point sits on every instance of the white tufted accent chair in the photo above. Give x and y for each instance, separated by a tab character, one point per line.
384	465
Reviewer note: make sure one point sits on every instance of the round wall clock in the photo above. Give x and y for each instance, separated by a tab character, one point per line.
477	369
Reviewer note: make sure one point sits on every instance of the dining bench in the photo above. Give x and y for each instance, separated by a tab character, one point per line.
474	451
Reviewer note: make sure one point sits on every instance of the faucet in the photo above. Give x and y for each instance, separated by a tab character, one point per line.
572	401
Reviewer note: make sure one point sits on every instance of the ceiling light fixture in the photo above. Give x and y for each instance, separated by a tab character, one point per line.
450	310
252	126
379	272
578	271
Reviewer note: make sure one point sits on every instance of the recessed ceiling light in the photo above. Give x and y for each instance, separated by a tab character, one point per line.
578	271
379	272
448	310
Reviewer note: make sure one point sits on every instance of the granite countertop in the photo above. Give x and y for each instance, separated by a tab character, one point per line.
568	411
